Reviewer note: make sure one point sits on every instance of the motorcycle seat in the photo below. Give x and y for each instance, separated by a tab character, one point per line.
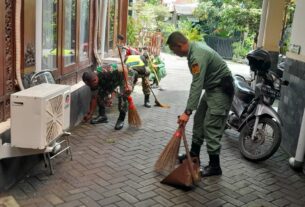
242	86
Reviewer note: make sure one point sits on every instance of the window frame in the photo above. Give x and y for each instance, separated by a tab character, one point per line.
61	69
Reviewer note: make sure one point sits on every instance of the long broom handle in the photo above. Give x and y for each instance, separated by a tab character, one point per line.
154	71
125	78
152	91
187	151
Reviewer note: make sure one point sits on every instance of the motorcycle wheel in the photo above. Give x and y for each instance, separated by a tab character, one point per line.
266	141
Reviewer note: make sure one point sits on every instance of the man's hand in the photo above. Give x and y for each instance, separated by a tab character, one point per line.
127	90
183	119
87	117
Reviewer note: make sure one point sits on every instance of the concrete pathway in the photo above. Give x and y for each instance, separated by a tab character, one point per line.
115	168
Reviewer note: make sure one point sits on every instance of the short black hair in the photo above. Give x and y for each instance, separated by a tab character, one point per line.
88	76
176	37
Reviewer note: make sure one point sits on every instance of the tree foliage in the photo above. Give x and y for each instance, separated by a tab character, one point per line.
235	18
208	15
228	17
149	16
231	18
186	28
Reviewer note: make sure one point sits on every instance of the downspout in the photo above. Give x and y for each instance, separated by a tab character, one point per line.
297	161
96	20
103	28
18	42
38	35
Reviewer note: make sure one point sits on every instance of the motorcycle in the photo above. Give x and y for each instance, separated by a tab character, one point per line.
251	112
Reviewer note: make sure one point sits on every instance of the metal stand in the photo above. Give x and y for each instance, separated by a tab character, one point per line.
51	151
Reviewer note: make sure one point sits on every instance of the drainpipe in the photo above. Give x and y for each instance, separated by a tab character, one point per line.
38	34
96	21
297	161
103	27
18	42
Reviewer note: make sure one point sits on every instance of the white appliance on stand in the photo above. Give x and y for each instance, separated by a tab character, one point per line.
39	115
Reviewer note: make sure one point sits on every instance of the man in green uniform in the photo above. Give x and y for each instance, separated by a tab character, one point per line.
102	85
211	73
138	63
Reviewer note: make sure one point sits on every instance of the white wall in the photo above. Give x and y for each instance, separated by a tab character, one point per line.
298	26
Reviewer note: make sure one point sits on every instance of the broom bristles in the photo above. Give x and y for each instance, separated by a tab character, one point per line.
134	119
168	157
157	103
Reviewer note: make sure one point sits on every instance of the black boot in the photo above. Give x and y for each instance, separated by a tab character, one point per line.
102	118
195	151
120	122
99	119
213	168
146	101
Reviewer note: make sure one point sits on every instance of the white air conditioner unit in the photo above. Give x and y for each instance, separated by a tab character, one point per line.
39	115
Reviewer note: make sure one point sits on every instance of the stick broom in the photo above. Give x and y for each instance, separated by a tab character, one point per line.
168	157
133	115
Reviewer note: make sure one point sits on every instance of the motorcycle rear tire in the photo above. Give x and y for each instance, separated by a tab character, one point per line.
245	135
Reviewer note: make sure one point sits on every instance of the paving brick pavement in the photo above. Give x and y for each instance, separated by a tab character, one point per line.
115	168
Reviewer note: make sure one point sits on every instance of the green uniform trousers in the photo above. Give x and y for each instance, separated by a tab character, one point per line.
210	119
142	72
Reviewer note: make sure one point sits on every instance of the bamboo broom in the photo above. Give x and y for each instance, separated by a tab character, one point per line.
134	119
157	102
168	157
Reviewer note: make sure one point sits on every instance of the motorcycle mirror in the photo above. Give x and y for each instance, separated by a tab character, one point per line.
121	37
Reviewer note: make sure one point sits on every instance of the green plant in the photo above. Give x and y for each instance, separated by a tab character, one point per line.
189	31
228	18
241	48
208	16
133	30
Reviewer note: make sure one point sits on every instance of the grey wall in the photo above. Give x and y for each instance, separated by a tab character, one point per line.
80	100
292	103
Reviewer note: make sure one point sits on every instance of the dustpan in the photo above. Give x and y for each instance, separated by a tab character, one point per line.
187	174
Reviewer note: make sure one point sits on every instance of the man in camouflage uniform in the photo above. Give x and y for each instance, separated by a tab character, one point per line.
102	86
211	73
138	64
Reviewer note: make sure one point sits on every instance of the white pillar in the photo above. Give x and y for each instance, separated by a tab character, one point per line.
262	24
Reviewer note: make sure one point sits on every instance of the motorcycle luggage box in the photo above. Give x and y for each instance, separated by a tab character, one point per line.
243	91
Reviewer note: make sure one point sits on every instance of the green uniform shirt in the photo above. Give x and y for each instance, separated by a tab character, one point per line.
109	81
207	68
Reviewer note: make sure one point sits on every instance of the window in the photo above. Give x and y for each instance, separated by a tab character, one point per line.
66	35
49	34
112	24
84	30
69	43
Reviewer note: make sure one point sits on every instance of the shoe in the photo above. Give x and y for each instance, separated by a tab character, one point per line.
99	119
146	102
211	171
147	105
182	157
213	168
195	151
119	124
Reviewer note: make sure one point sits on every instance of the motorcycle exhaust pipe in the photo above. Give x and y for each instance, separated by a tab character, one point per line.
297	161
